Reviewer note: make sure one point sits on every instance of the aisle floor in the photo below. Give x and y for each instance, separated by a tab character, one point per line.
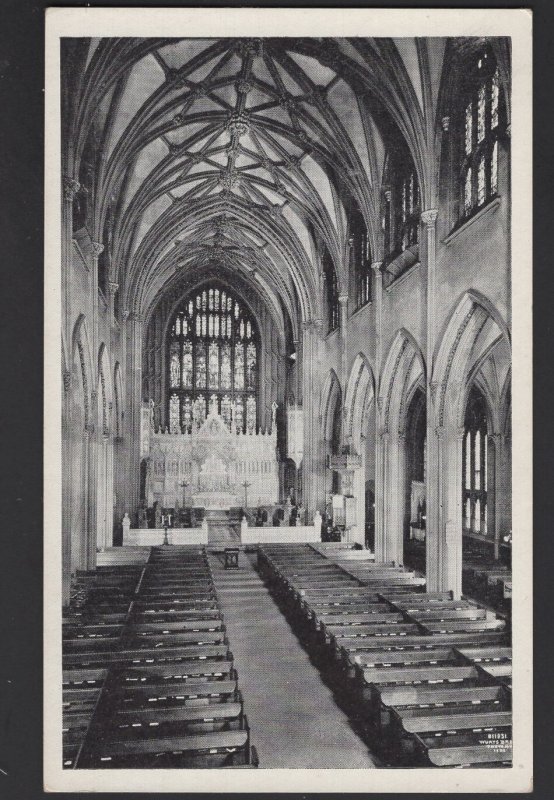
294	718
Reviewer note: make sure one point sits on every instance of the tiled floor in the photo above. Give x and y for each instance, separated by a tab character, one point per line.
294	719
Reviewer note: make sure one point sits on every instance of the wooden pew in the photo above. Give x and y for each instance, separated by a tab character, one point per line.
208	750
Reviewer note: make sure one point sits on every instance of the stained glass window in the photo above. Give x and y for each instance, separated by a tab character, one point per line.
200	365
468	192
469	129
239	366
481	182
225	366
213	365
251	414
186	418
212	347
174	367
475	467
187	364
480	132
494	169
494	99
481	114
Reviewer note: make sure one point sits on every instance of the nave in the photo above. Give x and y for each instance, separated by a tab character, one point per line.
303	656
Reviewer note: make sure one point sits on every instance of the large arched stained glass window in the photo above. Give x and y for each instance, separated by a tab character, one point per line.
212	359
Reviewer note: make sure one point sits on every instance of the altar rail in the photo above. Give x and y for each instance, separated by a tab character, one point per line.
303	534
151	537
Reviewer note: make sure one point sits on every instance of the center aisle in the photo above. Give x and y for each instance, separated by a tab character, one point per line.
294	719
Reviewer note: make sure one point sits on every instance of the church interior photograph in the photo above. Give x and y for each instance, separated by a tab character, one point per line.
286	403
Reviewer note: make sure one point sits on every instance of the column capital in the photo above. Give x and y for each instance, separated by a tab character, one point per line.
343	299
70	188
459	432
113	287
445	122
429	217
66	380
89	429
376	267
384	434
440	431
97	249
134	316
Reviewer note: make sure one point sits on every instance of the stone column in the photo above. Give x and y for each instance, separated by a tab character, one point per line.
451	527
394	497
429	220
70	189
359	494
343	327
312	459
97	249
88	553
381	488
495	453
134	325
381	433
357	533
434	545
378	299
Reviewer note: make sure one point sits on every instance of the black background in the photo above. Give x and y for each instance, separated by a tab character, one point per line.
21	413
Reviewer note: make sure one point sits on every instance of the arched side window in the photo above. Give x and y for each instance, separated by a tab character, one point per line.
402	203
481	118
360	257
212	359
474	465
331	292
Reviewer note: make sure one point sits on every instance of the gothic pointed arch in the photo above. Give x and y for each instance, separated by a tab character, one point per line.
473	332
105	389
359	398
81	348
404	369
331	395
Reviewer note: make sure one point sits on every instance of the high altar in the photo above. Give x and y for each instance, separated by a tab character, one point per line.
208	467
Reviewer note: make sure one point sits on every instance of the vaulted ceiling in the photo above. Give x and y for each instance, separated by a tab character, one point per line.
242	153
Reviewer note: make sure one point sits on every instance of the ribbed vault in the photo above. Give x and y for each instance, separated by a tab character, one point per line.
242	153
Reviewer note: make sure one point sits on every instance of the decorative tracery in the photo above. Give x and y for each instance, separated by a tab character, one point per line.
480	129
212	358
475	465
